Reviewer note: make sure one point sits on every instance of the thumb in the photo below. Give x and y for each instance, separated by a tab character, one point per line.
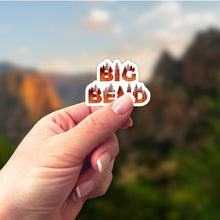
96	127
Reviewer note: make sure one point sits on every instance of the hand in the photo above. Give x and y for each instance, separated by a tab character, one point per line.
65	159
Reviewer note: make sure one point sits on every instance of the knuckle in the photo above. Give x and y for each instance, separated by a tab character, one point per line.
102	186
105	186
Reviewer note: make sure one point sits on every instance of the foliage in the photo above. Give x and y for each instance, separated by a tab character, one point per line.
6	150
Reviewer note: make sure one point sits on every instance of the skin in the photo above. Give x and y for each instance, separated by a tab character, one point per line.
56	156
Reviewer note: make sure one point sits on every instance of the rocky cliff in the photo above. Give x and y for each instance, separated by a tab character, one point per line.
24	99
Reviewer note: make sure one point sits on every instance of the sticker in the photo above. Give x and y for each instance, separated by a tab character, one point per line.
114	80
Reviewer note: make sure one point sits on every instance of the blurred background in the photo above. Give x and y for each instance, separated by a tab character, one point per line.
169	161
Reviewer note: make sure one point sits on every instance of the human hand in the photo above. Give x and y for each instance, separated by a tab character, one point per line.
65	159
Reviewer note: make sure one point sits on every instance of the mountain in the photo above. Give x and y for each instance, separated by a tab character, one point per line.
184	93
168	66
27	95
199	65
25	98
179	91
175	106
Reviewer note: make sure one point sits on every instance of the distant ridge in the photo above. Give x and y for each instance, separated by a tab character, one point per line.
69	87
6	67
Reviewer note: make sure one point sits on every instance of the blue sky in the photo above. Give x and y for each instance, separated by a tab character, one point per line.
73	37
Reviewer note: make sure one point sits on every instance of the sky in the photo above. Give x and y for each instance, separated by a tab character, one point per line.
73	37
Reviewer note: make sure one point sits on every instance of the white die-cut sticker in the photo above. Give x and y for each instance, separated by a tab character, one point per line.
114	80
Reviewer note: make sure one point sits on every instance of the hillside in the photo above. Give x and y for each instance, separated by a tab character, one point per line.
24	99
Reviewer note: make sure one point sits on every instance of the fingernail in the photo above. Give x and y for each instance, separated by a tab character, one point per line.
123	104
84	188
103	161
131	123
